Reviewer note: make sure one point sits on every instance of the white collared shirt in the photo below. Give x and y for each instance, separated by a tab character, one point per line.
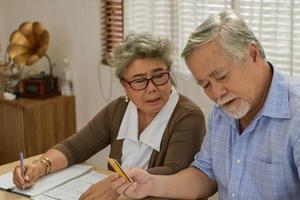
136	151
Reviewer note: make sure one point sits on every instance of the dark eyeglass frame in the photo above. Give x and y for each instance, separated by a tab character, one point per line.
148	79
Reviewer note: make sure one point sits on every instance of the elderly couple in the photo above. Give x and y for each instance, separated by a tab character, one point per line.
251	147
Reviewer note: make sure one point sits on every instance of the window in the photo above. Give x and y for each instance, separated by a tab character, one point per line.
276	23
112	26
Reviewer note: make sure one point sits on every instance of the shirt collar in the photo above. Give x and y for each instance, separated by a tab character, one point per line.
277	102
154	131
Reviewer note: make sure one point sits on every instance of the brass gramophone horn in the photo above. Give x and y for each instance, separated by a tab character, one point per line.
28	44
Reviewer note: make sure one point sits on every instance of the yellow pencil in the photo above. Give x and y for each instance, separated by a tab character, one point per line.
116	166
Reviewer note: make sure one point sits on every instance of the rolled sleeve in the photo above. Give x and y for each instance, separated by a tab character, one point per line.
203	159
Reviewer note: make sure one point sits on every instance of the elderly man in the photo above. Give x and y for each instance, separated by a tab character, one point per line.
252	146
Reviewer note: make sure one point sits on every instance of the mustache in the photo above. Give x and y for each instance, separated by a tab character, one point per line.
225	99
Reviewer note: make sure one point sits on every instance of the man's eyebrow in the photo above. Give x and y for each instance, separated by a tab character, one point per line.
200	82
216	72
213	74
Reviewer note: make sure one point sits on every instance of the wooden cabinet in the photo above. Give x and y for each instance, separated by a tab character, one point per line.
33	126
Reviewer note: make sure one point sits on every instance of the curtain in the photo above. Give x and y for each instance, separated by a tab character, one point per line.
276	23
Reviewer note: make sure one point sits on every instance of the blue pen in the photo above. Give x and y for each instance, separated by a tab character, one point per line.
22	164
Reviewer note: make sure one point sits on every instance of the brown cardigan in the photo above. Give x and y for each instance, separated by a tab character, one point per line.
180	142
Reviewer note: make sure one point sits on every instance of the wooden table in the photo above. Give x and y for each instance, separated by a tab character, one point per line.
12	196
10	166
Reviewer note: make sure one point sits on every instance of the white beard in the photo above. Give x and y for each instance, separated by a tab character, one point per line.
238	109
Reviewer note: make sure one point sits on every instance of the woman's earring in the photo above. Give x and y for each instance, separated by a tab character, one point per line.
126	99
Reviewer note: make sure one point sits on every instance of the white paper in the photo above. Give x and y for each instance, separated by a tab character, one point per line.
47	182
72	190
6	181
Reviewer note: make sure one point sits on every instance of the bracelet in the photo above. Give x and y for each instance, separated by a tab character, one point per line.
45	161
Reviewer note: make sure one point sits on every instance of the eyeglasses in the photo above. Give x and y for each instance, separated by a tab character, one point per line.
142	83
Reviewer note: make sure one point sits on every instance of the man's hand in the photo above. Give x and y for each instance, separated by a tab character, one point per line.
101	190
140	188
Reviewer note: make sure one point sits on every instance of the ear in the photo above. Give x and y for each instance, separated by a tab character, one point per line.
253	51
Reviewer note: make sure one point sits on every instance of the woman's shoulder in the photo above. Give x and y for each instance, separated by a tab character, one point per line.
114	107
118	102
184	103
186	108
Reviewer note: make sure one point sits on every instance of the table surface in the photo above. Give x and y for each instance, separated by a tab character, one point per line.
10	166
12	196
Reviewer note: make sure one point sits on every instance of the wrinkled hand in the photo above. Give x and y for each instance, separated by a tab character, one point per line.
32	173
139	188
101	190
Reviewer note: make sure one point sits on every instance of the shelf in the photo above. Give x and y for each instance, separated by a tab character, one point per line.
33	125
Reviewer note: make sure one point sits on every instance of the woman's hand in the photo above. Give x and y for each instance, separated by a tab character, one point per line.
140	187
32	173
100	190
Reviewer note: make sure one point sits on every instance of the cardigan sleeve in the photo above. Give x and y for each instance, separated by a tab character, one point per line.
93	137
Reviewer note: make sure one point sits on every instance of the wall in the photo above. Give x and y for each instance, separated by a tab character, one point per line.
74	34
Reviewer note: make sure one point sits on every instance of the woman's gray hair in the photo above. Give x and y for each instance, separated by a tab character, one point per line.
229	29
138	46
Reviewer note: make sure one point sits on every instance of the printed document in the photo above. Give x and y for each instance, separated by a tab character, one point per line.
54	180
72	190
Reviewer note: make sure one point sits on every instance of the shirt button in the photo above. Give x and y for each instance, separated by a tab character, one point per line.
238	161
233	194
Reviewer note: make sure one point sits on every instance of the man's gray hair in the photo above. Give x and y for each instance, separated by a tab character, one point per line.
229	29
139	46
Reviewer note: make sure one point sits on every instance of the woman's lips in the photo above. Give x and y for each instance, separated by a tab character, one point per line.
153	101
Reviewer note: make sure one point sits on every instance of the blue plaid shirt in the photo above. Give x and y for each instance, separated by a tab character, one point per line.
264	161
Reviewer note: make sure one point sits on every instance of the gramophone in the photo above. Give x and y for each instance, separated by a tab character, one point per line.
27	46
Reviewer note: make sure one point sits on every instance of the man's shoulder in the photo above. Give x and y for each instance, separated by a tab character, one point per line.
291	87
287	89
294	87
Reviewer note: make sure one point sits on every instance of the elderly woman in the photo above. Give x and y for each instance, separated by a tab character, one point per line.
152	127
